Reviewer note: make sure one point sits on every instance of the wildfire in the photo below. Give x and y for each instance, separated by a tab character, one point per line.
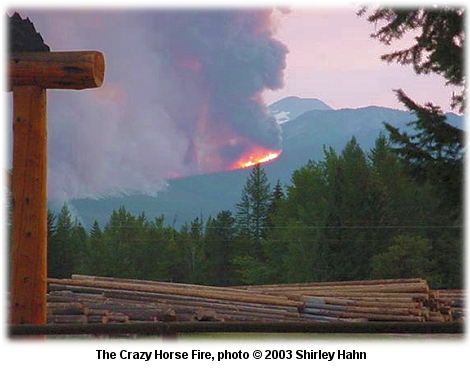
221	149
258	155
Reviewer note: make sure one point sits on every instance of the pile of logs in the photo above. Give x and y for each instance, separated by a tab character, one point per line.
69	307
451	303
127	300
408	300
91	299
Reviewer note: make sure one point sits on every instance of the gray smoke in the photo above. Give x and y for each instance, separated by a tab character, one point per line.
182	95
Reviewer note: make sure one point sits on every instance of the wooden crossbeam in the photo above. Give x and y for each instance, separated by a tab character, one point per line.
75	70
30	75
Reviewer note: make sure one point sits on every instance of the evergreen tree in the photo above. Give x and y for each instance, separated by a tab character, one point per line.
250	270
352	214
277	196
438	46
80	247
190	242
219	249
97	253
403	203
434	150
61	254
252	211
300	225
164	258
433	153
52	246
341	211
142	256
408	257
278	243
119	234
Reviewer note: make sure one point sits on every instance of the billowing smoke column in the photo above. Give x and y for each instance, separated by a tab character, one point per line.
182	95
220	62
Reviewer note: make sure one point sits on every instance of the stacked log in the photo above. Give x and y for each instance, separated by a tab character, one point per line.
140	300
186	290
451	303
324	309
407	300
92	299
67	313
96	308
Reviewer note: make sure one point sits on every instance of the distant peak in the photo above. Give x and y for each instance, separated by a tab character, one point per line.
290	107
318	103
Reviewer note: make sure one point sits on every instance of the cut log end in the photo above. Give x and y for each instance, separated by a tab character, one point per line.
99	68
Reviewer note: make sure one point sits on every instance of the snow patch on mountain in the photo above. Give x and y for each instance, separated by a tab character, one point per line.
291	107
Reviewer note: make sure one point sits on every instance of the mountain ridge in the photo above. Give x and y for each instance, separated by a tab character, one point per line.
290	107
303	138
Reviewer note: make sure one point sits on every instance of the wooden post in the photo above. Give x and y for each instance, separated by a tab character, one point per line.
30	75
29	197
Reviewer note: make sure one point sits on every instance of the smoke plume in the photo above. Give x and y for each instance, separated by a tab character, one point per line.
182	96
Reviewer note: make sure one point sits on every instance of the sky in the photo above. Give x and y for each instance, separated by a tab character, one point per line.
181	99
332	57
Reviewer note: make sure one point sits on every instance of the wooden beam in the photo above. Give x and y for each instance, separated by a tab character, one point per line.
75	70
161	328
29	206
30	74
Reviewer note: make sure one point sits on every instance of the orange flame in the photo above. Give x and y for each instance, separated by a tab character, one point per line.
257	155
